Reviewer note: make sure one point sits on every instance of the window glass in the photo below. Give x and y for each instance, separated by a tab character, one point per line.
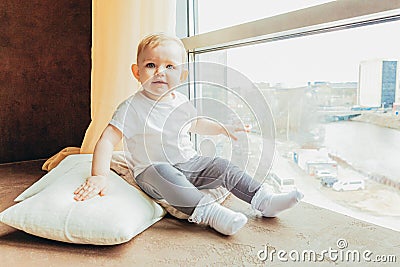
214	15
182	23
334	101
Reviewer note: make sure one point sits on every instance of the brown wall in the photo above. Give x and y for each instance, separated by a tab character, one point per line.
44	76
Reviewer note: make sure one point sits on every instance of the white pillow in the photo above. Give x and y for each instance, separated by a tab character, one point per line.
48	209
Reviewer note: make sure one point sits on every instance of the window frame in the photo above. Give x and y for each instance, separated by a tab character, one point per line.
343	14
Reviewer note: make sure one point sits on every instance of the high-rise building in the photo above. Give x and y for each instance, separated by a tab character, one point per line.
378	83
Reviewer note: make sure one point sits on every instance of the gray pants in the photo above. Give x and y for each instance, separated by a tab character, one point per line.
179	184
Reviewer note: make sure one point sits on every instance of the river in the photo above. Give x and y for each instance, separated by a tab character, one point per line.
372	149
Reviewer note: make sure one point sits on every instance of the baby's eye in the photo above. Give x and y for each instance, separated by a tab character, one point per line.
171	67
150	65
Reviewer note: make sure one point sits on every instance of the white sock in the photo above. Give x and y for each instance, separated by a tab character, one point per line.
271	204
222	219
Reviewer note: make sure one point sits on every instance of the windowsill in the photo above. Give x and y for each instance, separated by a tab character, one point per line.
177	242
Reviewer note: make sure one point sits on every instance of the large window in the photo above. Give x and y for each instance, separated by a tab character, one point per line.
332	89
213	15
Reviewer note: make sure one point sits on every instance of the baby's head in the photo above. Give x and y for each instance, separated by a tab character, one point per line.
159	67
156	39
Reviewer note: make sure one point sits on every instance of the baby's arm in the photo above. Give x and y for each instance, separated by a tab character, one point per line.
97	183
210	127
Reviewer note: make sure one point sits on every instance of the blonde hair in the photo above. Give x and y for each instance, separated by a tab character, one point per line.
156	39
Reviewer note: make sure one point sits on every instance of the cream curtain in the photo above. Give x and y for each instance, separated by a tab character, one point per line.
117	28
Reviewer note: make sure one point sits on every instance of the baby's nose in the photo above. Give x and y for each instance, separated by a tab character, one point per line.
160	70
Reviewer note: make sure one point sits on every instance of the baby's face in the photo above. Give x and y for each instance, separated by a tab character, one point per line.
160	69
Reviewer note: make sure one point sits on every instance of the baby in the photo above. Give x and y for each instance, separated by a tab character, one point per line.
155	124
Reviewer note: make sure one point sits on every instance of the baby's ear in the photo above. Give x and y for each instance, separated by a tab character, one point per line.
184	75
135	71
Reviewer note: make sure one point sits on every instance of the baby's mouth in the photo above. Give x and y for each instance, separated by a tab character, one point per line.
159	82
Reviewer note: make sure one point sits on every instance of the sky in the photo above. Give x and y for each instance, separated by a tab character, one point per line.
333	56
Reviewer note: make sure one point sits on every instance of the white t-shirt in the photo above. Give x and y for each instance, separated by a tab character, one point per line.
155	131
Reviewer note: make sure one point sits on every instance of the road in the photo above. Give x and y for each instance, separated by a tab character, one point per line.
377	204
367	150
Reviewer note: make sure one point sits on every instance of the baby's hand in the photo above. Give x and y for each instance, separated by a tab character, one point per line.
94	185
246	128
231	129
